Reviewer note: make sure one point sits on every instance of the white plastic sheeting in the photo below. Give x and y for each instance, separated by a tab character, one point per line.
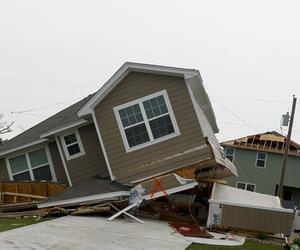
77	233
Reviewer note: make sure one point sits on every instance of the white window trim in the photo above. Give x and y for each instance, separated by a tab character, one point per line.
233	156
246	184
82	152
261	159
30	168
146	121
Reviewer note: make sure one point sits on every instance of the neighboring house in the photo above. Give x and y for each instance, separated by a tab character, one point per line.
258	159
145	121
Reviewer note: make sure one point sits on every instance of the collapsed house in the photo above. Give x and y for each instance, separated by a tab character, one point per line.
144	123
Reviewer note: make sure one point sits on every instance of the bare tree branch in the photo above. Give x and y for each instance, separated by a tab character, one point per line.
6	128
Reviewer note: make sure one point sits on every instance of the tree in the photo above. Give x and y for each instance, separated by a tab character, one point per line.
4	128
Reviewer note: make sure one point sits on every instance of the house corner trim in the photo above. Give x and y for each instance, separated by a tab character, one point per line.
63	160
112	177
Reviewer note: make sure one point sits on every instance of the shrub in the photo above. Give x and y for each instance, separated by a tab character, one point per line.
262	236
296	241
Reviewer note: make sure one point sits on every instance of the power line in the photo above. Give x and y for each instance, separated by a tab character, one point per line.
251	99
235	115
27	99
31	114
44	107
257	126
48	83
29	111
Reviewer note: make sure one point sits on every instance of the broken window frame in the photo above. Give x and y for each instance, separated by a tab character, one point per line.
29	166
259	159
146	121
230	156
246	184
77	142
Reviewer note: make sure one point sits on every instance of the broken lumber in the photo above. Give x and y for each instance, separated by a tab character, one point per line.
91	210
24	195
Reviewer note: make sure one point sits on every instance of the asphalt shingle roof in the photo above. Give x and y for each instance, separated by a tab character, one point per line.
91	186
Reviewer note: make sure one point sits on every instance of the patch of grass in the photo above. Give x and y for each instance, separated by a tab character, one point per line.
249	245
12	223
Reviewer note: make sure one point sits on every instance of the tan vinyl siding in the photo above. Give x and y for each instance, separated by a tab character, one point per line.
92	162
259	220
3	171
57	164
127	167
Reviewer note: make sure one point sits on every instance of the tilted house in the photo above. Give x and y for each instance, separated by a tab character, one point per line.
259	162
145	121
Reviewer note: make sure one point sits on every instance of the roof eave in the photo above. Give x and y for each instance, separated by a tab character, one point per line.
73	125
11	150
123	72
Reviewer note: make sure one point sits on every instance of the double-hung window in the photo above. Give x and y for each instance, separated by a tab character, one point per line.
34	165
72	145
229	152
146	121
246	186
261	159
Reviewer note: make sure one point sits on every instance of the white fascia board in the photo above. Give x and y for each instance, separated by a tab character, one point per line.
23	146
123	71
61	129
90	198
196	89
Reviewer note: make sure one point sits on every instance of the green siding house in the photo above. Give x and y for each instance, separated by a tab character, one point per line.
258	159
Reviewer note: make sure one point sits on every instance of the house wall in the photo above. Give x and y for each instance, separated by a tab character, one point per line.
92	162
57	164
265	178
258	220
138	164
3	171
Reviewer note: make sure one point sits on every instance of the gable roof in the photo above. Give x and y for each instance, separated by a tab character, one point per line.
33	135
191	76
268	141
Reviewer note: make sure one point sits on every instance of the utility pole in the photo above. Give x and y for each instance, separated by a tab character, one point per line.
286	150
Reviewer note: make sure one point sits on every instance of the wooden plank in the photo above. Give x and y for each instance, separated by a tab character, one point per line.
24	195
38	188
53	188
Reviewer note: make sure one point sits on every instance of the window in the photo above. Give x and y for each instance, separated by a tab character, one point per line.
72	145
246	186
261	159
229	153
34	165
146	121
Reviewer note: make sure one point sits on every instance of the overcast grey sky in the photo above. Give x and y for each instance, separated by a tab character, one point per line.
52	53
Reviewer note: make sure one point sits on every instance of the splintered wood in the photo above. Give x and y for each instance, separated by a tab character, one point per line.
27	191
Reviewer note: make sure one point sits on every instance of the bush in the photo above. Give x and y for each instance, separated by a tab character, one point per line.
262	236
296	241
